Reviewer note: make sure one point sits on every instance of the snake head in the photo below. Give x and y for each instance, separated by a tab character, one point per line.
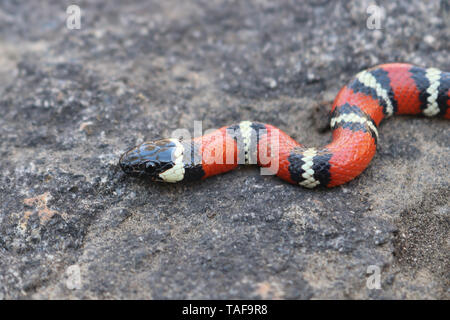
151	159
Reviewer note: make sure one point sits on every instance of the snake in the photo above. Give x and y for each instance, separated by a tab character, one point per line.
360	106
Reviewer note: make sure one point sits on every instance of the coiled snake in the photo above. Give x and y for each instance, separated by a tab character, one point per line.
360	106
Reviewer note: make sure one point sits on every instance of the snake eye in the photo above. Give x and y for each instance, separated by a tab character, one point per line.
150	168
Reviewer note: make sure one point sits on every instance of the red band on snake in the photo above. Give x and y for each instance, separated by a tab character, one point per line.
371	96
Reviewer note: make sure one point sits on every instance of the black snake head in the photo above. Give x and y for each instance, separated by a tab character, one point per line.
149	159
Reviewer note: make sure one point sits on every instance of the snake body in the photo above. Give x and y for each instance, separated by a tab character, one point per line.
358	109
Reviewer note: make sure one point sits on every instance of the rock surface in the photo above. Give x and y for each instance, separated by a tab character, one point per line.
72	225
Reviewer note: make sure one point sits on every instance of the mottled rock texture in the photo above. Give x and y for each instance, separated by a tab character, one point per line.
72	225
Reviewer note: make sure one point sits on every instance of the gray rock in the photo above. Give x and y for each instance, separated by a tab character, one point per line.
72	225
